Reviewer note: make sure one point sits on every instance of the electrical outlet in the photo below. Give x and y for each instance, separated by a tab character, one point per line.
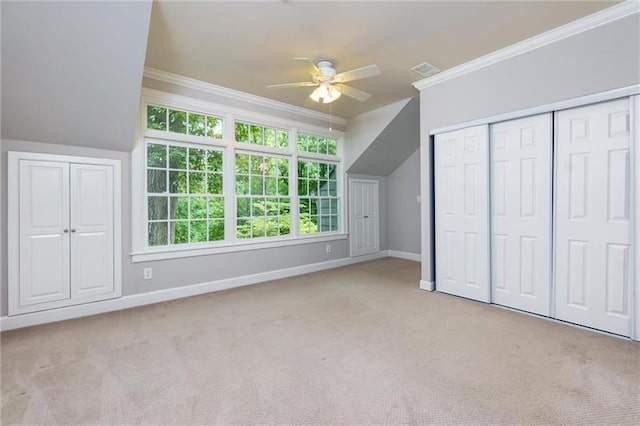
328	248
148	273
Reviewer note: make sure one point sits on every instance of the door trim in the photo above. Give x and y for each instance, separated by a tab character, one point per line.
351	218
13	231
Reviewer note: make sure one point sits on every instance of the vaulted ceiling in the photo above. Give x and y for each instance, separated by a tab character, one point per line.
247	45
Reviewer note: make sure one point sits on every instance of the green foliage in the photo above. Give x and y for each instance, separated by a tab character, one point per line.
261	135
156	117
184	122
156	155
321	145
197	124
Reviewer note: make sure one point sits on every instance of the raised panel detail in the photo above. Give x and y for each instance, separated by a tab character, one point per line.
46	194
499	141
470	258
527	187
449	186
470	144
470	184
499	254
527	137
499	188
578	185
92	261
449	148
577	279
92	185
579	129
449	255
619	124
617	279
527	266
618	185
46	275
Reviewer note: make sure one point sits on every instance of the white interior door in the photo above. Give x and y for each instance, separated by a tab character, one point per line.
44	232
521	213
593	229
363	199
92	253
462	222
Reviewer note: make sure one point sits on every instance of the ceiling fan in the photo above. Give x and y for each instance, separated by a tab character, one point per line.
329	84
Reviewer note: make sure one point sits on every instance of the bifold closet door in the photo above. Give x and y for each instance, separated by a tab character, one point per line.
521	213
462	222
593	230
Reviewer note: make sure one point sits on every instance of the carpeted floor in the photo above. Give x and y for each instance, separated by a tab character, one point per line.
355	345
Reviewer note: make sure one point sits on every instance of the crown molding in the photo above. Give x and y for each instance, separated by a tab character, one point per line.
190	83
578	26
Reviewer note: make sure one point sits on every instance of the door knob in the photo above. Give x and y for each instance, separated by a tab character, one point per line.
73	230
65	230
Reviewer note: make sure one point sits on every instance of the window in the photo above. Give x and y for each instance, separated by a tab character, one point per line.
262	196
201	187
185	122
319	144
318	197
185	201
261	135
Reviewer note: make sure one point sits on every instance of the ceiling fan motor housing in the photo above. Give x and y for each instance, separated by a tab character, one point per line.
326	67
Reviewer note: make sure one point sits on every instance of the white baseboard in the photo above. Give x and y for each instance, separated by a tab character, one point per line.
405	255
132	301
427	285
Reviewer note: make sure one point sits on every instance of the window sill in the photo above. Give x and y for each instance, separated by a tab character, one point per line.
180	252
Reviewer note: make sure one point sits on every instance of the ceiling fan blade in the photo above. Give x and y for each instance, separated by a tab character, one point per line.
287	85
311	67
357	74
353	93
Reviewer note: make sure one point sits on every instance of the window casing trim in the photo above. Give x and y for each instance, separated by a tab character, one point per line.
140	249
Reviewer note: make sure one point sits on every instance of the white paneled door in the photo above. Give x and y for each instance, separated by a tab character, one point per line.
521	213
593	214
363	199
462	222
63	231
91	229
44	232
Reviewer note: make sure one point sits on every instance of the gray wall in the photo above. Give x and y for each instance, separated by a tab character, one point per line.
403	209
167	273
71	71
597	60
393	145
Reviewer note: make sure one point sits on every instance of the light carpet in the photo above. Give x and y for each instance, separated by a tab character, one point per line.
355	345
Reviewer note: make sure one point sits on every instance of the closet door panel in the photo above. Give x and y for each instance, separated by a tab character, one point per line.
92	230
461	198
44	238
521	213
593	241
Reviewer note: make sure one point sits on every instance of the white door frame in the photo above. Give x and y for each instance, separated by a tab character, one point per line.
13	228
351	214
634	146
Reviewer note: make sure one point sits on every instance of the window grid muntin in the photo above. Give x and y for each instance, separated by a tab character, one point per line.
213	201
311	143
280	135
247	200
318	196
215	131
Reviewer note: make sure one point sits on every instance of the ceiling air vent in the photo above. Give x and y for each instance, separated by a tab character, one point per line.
425	69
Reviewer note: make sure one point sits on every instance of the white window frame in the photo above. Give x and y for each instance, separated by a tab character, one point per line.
141	252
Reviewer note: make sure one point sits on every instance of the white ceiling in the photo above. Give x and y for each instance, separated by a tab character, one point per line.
245	45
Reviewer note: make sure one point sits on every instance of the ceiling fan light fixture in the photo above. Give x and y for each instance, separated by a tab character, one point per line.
325	93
